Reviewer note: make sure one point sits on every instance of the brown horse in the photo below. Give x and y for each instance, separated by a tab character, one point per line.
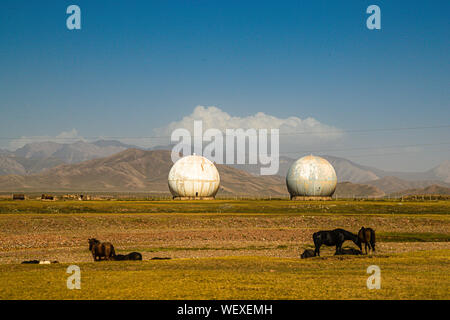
101	250
366	236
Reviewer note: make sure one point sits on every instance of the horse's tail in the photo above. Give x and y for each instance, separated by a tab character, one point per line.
113	252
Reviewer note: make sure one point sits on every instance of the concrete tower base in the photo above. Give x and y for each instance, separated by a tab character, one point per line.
303	198
193	198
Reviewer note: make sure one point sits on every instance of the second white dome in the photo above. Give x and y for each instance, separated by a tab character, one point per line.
311	176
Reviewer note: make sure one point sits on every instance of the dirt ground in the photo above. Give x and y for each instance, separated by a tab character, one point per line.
63	237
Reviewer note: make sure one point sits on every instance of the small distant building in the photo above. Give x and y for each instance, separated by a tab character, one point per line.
19	196
47	197
79	197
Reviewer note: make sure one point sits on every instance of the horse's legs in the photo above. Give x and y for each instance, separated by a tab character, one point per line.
338	248
317	251
365	246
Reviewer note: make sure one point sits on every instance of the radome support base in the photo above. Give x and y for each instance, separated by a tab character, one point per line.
193	198
303	198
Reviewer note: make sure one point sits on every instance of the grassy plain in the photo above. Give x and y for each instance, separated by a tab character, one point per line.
223	249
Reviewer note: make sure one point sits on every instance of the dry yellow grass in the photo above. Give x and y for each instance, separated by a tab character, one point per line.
418	275
222	249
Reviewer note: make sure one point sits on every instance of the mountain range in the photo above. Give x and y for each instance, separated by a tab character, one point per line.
108	165
133	170
347	170
71	152
39	156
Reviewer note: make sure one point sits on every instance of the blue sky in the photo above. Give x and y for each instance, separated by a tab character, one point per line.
139	65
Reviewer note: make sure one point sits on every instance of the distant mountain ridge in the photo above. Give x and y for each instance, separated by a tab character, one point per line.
430	190
134	170
351	190
71	152
393	184
10	164
39	157
347	170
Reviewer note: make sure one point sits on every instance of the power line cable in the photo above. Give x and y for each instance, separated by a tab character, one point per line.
281	134
370	148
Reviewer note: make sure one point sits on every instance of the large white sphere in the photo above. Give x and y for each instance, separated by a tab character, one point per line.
311	176
194	176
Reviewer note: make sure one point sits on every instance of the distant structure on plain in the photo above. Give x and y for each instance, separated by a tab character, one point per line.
311	178
194	178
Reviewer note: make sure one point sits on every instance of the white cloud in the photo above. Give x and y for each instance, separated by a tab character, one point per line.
294	131
64	137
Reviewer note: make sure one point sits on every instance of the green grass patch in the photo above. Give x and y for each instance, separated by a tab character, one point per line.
412	237
158	249
403	276
228	206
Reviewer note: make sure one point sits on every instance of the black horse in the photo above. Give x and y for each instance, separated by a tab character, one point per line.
130	256
349	251
334	237
308	253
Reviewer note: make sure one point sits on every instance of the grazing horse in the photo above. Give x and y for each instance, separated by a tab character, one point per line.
130	256
366	236
349	251
101	250
334	237
308	253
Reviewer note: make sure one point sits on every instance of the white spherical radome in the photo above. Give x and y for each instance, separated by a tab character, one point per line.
194	177
311	176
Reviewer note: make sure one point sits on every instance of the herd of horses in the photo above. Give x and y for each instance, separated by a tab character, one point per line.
337	237
105	250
